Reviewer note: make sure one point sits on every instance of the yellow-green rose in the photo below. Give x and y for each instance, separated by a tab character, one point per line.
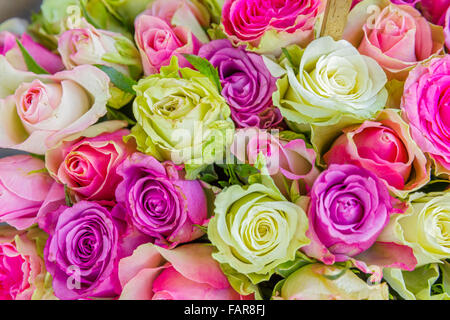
181	117
425	227
255	229
322	282
328	80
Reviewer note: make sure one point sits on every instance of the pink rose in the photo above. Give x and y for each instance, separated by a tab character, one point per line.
289	22
87	162
170	9
412	3
23	189
22	271
386	148
45	58
447	29
290	163
39	110
158	42
434	10
396	36
185	273
425	105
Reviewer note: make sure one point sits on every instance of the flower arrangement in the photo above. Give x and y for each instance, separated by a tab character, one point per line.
225	149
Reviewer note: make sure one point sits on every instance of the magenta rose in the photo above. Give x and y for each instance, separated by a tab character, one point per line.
386	148
22	271
290	163
45	58
87	162
185	273
158	42
270	25
81	252
24	187
159	202
434	10
426	106
349	208
247	84
398	37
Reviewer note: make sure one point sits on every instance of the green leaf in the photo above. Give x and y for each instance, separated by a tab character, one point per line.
288	57
69	202
120	80
205	68
114	114
209	175
32	65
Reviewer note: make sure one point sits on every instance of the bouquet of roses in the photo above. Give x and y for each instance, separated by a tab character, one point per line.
225	149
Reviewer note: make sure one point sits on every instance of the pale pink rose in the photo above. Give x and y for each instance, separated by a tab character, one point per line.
39	110
45	58
87	162
412	3
185	273
386	148
287	162
24	186
168	9
396	36
22	271
92	46
158	42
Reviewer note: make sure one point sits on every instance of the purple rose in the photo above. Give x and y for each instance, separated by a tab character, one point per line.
81	252
159	203
247	84
349	208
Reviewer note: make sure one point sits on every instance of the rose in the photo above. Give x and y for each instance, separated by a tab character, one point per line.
434	10
22	271
424	105
158	42
87	162
333	81
424	227
39	110
46	59
312	282
159	202
396	36
247	84
290	164
386	148
447	29
255	229
350	206
419	284
181	117
184	273
92	46
267	26
191	14
412	3
81	252
128	9
23	189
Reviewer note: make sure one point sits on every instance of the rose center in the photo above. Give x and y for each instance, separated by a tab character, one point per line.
347	210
